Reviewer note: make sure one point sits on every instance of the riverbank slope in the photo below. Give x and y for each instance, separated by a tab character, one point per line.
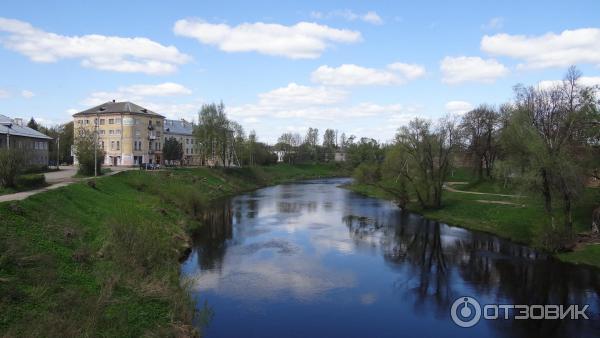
486	206
99	258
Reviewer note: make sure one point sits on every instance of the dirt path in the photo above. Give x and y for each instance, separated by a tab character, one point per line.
448	186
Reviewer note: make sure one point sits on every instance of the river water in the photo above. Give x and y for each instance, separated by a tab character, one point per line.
311	259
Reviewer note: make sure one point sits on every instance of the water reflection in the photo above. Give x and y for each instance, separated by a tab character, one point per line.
315	260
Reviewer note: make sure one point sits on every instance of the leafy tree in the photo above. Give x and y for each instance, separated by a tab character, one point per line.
84	150
172	150
480	127
424	157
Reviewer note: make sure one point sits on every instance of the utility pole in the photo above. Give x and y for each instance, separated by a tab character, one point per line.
58	153
97	122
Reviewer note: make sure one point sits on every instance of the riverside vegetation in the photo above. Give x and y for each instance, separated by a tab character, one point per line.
101	258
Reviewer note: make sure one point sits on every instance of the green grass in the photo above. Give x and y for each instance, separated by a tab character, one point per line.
525	222
102	261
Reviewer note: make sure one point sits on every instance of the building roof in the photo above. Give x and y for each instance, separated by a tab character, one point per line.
118	107
179	127
8	125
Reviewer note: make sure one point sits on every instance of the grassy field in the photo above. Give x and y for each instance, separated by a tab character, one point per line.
523	220
102	260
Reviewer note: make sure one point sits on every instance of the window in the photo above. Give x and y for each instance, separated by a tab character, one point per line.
111	121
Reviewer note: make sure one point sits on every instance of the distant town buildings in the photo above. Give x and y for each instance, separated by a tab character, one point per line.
183	132
14	134
128	133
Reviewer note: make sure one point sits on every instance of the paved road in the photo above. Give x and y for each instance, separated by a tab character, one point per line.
57	179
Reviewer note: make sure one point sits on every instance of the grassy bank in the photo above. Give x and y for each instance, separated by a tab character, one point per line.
520	219
101	260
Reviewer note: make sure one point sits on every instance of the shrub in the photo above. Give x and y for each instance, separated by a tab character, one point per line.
31	181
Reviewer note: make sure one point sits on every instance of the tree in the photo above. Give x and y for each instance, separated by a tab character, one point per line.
553	127
84	150
32	124
329	144
12	162
215	134
172	150
424	157
480	127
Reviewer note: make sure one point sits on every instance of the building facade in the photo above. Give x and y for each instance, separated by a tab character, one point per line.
14	134
128	133
183	132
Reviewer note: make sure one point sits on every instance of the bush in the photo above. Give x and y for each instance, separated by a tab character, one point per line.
367	173
31	181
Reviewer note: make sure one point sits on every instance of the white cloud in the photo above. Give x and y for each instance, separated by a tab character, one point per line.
294	94
137	93
369	17
304	40
586	81
4	94
113	53
313	103
458	107
494	23
548	50
27	94
354	75
461	69
407	70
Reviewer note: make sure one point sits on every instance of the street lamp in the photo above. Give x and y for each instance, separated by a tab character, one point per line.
96	123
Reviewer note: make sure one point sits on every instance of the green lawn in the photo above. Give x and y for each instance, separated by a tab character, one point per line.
102	261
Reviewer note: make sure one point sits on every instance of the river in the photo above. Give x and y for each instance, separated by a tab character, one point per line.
310	259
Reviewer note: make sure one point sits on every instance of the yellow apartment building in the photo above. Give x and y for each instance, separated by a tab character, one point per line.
128	133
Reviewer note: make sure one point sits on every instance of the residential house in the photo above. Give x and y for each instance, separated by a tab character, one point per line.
129	134
14	134
183	132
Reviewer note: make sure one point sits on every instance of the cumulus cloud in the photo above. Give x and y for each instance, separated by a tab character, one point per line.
354	75
407	70
313	103
458	107
113	53
27	94
461	69
304	40
548	50
370	17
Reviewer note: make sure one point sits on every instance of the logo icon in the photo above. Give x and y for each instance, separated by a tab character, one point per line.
465	312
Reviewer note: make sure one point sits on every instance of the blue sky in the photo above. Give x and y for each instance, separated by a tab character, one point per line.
363	68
